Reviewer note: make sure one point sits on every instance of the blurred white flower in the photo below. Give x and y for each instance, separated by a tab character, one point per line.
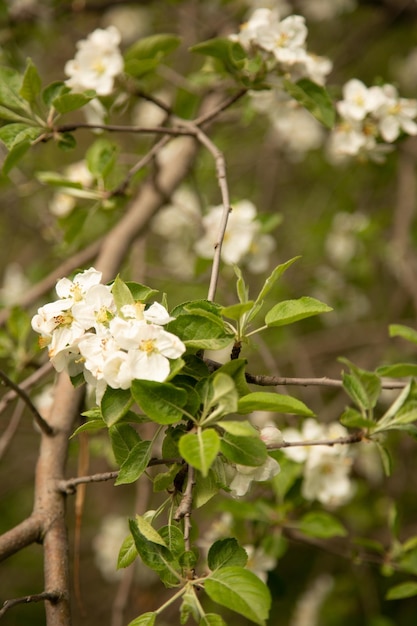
245	475
307	610
259	562
320	10
242	243
326	473
106	545
14	284
132	22
64	200
97	63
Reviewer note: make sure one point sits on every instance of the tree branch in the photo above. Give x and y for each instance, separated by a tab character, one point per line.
51	596
41	422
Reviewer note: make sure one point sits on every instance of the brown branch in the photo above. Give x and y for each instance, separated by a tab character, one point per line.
11	428
24	534
51	596
352	438
185	506
27	383
41	422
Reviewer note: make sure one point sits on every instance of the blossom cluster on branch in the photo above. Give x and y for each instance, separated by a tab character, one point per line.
86	334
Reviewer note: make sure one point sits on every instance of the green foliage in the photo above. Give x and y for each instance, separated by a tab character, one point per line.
239	590
314	98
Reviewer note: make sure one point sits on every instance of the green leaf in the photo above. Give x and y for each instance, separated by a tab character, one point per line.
200	449
385	457
236	311
15	155
31	84
362	386
403	590
101	157
226	553
123	438
236	369
351	418
66	141
249	451
154	552
212	619
201	330
229	52
274	277
115	404
12	116
10	86
127	553
241	591
161	402
91	425
140	67
67	102
154	46
322	525
147	619
398	370
10	133
173	538
141	293
135	463
290	311
398	330
52	91
402	411
240	429
121	293
314	98
279	403
219	396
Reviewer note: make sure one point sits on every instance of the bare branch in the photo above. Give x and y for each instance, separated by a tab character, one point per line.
185	506
24	534
51	596
353	438
41	422
27	383
11	428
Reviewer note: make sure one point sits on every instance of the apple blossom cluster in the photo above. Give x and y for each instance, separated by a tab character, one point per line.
326	468
283	43
97	62
371	118
86	334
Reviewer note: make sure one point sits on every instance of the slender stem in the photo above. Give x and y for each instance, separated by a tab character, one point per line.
38	597
41	422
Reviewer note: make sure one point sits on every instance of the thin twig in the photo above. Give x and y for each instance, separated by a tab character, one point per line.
25	384
116	128
41	422
11	428
353	438
149	156
51	596
69	486
185	506
275	381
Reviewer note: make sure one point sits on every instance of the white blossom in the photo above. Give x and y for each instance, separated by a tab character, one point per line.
97	62
259	562
242	242
244	475
326	472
